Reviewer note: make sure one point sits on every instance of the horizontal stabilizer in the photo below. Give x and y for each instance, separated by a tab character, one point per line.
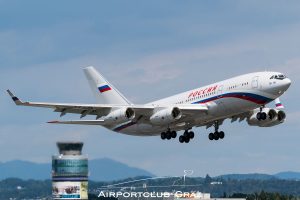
80	122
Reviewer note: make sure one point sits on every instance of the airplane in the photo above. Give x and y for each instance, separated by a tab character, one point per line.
240	98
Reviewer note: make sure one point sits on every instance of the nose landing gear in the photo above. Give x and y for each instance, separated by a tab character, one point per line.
261	115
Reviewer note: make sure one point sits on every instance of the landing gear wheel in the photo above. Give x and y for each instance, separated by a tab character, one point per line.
163	135
169	135
211	136
186	139
263	116
173	134
186	134
258	116
181	139
191	135
216	136
221	135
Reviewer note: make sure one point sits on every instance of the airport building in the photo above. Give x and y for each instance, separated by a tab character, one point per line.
70	172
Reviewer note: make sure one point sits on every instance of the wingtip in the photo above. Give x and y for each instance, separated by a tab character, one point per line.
53	122
10	93
14	98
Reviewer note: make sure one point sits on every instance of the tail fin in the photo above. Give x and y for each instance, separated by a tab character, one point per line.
278	104
104	92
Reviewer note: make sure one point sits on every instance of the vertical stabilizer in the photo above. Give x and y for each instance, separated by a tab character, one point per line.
104	92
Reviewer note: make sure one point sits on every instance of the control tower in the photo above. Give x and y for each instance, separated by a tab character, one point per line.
70	172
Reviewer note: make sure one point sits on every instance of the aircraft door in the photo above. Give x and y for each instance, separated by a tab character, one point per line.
220	91
255	82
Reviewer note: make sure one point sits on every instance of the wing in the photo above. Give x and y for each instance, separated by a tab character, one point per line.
99	110
64	108
76	108
81	122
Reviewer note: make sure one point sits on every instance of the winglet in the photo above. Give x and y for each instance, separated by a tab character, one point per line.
14	98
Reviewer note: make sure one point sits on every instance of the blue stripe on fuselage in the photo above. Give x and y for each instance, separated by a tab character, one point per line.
255	98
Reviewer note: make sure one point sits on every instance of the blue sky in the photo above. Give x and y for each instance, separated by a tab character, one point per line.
148	50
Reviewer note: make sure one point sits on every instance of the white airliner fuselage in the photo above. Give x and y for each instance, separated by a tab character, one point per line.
241	97
224	99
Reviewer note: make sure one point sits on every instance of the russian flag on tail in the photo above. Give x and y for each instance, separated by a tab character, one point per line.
104	88
278	104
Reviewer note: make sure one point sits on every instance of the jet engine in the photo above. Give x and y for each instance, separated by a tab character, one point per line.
267	117
280	119
166	116
120	115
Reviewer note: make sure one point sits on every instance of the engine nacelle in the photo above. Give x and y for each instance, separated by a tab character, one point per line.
120	115
166	116
281	116
274	117
280	119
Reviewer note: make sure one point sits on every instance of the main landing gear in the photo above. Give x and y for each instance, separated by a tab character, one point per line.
185	138
216	135
168	134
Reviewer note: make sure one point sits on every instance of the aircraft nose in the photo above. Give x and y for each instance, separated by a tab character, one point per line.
288	83
284	85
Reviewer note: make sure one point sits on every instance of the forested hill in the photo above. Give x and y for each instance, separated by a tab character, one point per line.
20	189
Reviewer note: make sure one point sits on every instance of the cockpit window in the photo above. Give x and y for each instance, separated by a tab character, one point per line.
279	77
